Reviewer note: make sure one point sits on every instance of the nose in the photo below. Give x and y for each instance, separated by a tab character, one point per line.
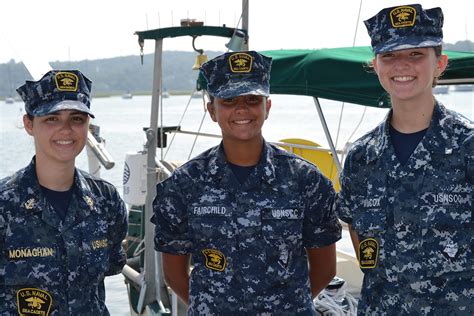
241	104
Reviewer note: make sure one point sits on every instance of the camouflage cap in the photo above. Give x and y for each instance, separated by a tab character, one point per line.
405	27
238	73
57	90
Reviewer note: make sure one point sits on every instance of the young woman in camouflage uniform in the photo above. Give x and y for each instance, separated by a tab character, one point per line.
61	229
406	187
256	221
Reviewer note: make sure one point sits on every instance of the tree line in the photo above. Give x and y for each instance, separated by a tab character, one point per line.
113	76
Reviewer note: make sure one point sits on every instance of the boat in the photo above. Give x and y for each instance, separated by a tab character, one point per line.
127	95
9	100
464	88
441	90
335	74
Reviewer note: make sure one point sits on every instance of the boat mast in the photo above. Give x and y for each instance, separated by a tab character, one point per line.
245	22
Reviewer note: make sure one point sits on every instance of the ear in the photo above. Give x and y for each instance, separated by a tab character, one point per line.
268	106
441	65
28	124
212	111
374	64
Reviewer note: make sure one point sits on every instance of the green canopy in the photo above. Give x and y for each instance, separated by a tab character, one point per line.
343	74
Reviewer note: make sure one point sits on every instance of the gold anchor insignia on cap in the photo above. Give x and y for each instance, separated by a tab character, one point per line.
30	204
89	201
403	16
240	62
66	81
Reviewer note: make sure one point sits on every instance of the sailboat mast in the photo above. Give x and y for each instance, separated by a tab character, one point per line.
245	21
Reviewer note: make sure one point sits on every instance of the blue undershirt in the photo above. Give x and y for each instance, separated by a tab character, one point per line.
405	144
59	200
241	172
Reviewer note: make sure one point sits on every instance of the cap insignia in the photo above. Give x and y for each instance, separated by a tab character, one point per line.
215	260
66	81
403	16
240	62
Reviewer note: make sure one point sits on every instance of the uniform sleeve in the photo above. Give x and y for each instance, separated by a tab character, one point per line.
118	226
171	218
320	227
343	203
3	259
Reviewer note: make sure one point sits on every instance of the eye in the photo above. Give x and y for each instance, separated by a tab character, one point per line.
387	55
229	101
416	53
253	99
51	118
79	119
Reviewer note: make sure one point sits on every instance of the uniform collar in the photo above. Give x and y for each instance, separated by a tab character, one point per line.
219	170
33	202
438	137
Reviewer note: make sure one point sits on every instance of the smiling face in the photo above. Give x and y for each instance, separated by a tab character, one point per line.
407	75
240	118
59	137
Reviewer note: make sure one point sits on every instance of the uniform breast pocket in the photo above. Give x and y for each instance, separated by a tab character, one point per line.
448	241
96	256
210	222
23	270
369	223
282	223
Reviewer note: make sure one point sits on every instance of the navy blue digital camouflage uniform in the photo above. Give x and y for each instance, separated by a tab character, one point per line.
420	215
50	265
67	258
413	221
247	241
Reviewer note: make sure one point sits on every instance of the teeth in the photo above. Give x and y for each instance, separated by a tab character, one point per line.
242	122
404	78
64	142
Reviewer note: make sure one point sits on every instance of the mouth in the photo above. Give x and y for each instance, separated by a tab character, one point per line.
241	122
63	142
403	78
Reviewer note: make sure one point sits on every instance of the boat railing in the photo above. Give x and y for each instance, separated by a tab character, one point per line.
278	143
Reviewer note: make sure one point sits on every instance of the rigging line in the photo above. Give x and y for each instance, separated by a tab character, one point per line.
365	108
179	124
238	22
199	130
343	103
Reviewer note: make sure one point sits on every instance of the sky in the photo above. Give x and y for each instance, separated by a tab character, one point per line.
52	30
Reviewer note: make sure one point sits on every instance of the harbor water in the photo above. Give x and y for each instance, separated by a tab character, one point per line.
122	121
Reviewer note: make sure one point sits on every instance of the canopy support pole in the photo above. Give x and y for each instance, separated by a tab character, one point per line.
328	135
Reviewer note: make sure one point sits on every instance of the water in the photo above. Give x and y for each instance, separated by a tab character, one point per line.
121	123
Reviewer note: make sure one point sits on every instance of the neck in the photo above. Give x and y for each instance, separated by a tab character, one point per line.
243	153
409	117
57	177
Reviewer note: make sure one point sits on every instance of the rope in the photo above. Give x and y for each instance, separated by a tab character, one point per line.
336	301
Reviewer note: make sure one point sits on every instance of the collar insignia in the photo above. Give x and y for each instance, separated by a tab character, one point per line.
368	253
30	204
31	301
89	201
215	260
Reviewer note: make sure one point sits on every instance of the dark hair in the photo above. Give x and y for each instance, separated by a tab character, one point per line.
438	52
30	117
